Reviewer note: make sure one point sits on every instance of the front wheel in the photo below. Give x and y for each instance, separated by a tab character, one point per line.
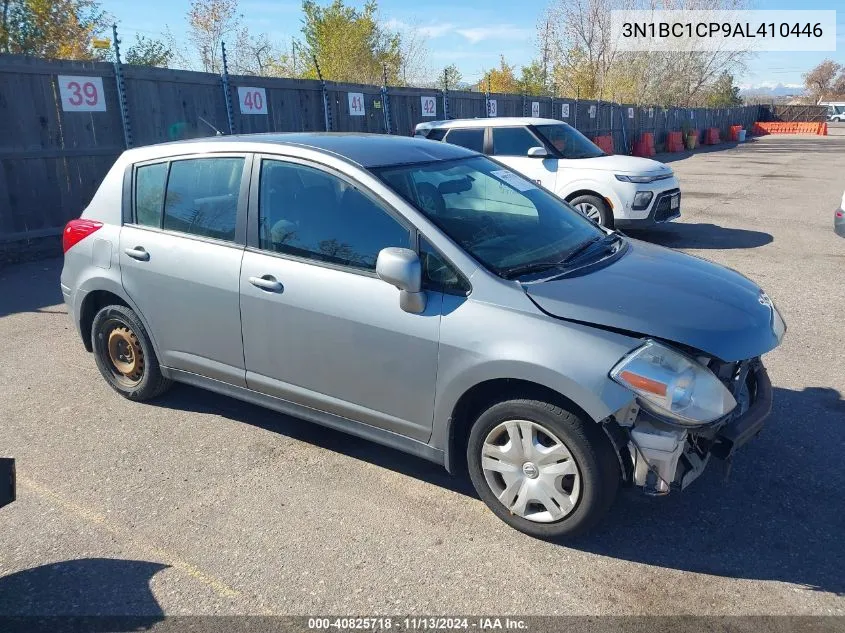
542	469
594	208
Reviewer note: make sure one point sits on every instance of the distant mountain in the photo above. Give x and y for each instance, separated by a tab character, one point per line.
771	90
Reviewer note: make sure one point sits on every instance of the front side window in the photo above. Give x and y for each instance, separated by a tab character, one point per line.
470	138
309	213
202	197
569	141
500	218
149	194
513	141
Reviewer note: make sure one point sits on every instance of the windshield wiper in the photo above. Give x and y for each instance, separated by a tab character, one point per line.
577	252
531	267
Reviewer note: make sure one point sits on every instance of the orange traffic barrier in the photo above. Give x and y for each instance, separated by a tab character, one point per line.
711	136
645	146
761	128
674	142
605	143
733	132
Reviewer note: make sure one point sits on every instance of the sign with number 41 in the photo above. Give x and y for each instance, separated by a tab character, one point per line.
356	104
82	94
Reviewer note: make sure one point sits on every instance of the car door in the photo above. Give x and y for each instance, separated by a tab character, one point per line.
320	329
180	259
510	145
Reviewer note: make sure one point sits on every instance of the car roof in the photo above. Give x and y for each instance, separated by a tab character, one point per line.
366	150
502	121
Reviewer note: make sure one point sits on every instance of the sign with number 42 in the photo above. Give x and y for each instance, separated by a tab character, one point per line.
252	100
429	105
356	104
82	94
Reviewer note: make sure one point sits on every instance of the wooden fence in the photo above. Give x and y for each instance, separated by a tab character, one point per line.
59	138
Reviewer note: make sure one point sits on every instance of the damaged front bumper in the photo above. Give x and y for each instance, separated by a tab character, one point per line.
659	456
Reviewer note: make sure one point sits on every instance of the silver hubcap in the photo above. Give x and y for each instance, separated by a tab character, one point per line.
590	210
530	471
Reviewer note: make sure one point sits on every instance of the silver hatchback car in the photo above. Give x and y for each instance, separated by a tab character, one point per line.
423	296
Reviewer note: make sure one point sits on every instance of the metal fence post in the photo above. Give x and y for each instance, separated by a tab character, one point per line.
227	95
327	115
385	98
487	99
121	92
445	94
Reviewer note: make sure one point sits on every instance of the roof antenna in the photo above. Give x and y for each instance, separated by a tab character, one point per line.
217	132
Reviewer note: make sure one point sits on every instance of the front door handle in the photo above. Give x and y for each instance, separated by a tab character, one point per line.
266	282
138	253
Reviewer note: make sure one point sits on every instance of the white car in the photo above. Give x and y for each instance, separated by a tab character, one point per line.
614	190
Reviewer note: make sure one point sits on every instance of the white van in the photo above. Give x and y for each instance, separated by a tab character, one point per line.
613	190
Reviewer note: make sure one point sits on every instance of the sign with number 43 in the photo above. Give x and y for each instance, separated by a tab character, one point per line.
82	94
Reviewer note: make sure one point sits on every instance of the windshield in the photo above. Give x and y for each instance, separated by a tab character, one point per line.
569	141
503	220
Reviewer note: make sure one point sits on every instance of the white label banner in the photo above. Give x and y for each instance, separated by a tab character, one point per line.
630	113
252	100
695	30
82	94
491	107
564	111
517	182
356	104
535	108
592	111
429	105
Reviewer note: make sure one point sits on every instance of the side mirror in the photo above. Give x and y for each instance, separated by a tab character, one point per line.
401	267
538	152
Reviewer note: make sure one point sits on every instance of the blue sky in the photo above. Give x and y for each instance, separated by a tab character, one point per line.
470	33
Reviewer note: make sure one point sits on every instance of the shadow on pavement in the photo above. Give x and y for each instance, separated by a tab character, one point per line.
702	235
31	286
779	517
103	587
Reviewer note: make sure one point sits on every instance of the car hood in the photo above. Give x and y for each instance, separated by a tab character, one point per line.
655	291
622	165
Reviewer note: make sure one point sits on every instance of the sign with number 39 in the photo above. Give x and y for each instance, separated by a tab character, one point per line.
82	94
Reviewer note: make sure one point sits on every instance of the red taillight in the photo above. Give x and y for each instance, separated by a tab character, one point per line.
77	230
839	213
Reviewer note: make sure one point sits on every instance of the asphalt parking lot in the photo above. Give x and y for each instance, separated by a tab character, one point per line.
198	504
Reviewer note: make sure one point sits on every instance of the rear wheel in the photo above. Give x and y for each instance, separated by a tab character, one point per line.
542	469
594	208
124	354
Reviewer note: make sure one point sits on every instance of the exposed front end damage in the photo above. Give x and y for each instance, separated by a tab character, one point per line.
658	455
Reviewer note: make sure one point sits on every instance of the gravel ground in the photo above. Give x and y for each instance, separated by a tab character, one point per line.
199	504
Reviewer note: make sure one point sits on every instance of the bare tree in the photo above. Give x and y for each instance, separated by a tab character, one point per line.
210	22
820	80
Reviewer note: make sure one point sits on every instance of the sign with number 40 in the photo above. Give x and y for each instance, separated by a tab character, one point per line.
82	94
252	100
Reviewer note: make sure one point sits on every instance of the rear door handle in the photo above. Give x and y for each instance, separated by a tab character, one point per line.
138	253
266	282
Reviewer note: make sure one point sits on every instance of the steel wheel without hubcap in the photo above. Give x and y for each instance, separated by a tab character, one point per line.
125	355
589	210
531	471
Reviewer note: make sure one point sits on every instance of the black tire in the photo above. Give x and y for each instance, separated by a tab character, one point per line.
606	215
592	452
147	381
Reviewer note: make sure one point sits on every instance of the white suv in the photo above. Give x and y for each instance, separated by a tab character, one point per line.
614	190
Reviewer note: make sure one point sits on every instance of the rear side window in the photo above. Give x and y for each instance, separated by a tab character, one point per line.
471	139
202	197
149	194
513	141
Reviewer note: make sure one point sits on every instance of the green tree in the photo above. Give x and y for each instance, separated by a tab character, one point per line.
533	79
148	52
450	79
349	44
723	93
58	29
